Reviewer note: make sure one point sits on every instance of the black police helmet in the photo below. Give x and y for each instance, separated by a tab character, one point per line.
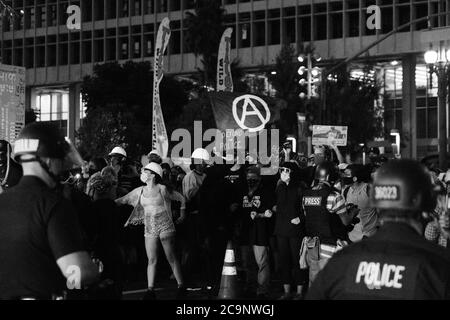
326	171
403	185
44	140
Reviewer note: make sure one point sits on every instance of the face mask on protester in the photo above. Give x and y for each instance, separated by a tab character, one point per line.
252	183
144	177
285	177
347	181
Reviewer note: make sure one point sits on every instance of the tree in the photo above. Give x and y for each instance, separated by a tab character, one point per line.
352	102
119	108
204	31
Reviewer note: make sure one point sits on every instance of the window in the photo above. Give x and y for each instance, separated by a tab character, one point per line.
51	55
336	25
99	10
137	7
124	48
111	9
136	47
86	10
321	27
52	106
386	19
123	8
259	33
99	51
353	24
87	51
289	30
42	17
52	17
75	52
393	80
426	94
29	57
111	49
29	18
148	42
244	35
274	32
305	28
63	54
148	7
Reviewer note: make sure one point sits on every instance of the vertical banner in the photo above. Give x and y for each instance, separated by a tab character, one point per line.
224	79
12	101
160	140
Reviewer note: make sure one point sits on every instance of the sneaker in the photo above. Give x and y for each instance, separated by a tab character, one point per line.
285	296
149	295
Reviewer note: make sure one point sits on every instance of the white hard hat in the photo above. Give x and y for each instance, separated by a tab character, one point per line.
155	152
119	151
200	153
156	168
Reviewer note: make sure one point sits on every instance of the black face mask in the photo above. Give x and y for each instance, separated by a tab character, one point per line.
347	180
252	183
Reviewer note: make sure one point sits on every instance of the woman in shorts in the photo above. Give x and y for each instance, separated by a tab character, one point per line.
156	201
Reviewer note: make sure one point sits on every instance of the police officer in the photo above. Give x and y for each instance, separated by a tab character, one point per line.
326	217
10	171
41	247
397	262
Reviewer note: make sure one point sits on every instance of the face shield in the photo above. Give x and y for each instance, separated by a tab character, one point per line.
72	159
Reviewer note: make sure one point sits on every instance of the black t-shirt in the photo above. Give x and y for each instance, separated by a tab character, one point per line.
395	263
37	227
258	231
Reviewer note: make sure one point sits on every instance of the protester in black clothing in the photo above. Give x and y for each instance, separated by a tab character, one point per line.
289	229
215	227
107	223
257	203
10	171
41	241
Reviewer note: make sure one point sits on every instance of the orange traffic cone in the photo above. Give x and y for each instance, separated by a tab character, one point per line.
229	283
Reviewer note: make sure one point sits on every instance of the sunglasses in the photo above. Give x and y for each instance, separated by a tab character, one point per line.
285	170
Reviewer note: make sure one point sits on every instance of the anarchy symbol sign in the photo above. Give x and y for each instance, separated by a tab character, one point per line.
249	109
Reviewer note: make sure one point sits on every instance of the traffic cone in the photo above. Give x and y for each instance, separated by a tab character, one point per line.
229	283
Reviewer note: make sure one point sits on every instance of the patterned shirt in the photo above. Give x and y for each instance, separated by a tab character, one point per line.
335	201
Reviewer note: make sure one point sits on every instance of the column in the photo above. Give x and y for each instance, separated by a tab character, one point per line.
74	110
409	121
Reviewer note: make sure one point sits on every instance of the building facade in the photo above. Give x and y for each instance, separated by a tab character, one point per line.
57	59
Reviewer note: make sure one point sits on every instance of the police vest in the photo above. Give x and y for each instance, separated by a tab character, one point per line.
318	218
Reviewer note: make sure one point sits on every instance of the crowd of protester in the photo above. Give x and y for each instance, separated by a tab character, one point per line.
193	213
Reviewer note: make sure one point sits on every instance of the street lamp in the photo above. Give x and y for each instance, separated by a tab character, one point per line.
438	63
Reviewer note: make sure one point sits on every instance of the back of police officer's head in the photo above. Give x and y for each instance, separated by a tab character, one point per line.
402	190
44	152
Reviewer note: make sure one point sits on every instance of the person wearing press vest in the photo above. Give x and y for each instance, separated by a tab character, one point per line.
41	245
397	262
326	218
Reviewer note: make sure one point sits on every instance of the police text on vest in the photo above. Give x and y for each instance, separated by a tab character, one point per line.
376	276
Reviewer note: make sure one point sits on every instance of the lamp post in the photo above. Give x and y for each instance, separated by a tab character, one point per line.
438	63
